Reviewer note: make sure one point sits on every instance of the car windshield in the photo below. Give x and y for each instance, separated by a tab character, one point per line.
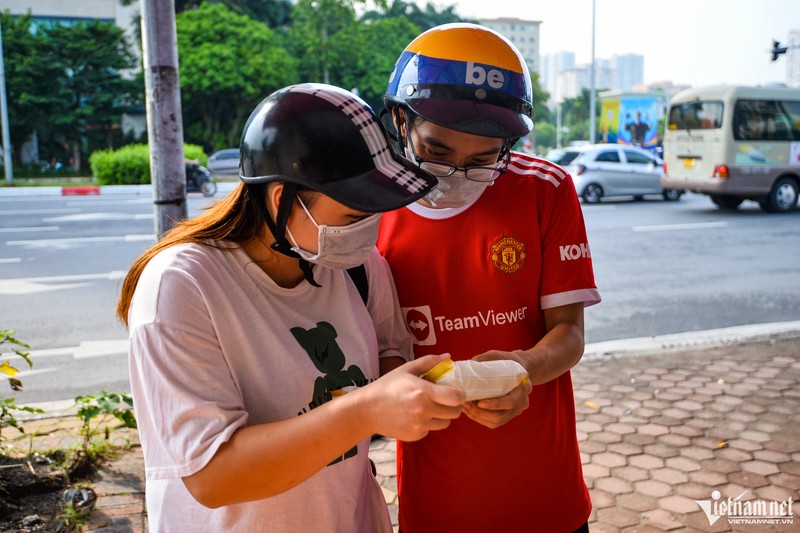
696	116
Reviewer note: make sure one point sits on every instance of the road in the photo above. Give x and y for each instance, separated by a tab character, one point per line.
661	268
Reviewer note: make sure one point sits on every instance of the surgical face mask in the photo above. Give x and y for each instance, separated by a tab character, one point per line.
340	247
453	191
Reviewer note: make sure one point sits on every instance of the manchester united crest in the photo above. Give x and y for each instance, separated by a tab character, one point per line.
507	254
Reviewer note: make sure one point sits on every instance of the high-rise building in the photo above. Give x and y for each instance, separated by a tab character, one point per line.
552	65
793	59
628	70
523	33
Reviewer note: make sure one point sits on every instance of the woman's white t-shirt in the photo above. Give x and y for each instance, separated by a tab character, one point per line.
216	345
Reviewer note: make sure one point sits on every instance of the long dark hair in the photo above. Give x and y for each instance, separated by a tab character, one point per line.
237	218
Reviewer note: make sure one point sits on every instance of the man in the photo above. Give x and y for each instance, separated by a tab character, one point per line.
486	270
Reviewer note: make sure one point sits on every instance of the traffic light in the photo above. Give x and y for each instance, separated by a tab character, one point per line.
777	49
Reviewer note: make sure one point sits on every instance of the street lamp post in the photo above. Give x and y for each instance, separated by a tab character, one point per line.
4	111
592	90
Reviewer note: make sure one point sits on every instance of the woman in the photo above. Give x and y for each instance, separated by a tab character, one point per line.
254	358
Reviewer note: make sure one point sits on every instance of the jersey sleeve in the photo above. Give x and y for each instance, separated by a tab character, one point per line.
567	274
394	340
187	404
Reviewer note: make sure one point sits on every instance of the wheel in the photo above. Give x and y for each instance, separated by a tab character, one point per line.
672	195
592	193
209	187
726	202
638	198
783	196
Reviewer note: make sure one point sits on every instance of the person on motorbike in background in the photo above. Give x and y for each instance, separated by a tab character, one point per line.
254	359
492	264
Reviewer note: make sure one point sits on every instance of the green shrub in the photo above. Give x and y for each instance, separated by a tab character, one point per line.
130	165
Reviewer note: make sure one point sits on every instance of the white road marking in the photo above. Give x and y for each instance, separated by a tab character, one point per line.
66	243
35	211
19	286
85	217
34	228
695	225
11	260
84	350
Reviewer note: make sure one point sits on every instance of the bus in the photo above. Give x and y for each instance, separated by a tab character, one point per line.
735	143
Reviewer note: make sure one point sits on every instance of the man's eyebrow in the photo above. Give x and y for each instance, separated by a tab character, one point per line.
433	141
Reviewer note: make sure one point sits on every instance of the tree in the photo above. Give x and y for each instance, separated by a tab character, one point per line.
321	32
228	63
364	56
423	19
92	93
31	94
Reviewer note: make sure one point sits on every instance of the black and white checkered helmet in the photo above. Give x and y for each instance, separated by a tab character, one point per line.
327	139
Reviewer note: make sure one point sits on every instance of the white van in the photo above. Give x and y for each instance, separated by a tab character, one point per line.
735	144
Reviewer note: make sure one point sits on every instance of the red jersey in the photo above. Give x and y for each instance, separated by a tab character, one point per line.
477	279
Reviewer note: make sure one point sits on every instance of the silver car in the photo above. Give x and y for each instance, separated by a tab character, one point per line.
602	170
224	161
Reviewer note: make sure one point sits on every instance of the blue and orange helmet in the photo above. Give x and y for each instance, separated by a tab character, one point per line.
467	78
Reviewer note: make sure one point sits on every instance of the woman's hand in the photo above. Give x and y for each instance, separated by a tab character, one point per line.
405	407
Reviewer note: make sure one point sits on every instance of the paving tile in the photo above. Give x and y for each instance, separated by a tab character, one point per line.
734	454
723	466
760	467
684	464
646	462
660	450
630	473
677	504
625	448
748	479
657	489
595	471
617	517
745	444
662	519
674	440
637	502
606	437
693	490
786	480
708	477
614	485
671	476
601	498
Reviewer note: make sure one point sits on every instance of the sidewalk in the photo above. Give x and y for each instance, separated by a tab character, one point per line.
660	424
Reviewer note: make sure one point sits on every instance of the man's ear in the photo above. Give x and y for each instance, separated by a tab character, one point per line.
399	119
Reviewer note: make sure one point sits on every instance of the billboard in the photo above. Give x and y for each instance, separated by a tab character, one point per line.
630	119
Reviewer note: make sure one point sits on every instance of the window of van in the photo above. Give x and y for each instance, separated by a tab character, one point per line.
766	120
696	116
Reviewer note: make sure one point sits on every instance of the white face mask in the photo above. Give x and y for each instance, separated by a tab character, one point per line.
454	190
340	247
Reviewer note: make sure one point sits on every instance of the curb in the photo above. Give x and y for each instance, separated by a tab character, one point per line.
690	340
94	190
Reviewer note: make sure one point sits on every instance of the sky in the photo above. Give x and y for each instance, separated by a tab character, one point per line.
688	42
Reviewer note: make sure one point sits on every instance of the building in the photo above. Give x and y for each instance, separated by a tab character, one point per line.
628	70
73	11
552	66
523	33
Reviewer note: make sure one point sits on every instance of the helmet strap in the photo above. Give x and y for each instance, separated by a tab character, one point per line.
278	229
